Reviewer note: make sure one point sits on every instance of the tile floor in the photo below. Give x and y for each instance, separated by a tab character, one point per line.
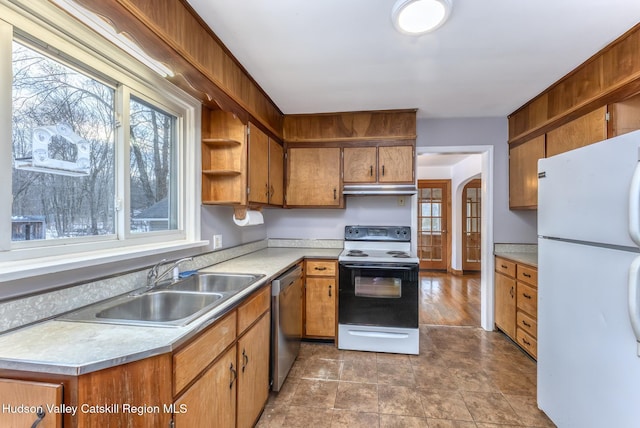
464	377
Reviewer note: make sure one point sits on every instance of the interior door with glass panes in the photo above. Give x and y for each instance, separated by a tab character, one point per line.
433	209
471	221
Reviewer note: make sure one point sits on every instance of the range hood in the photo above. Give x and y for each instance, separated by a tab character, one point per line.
379	189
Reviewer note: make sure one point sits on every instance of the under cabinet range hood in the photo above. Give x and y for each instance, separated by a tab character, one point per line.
379	189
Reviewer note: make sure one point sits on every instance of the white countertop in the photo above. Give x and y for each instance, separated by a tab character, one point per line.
74	348
528	258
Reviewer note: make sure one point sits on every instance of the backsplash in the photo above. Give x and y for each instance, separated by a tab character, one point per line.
40	307
24	311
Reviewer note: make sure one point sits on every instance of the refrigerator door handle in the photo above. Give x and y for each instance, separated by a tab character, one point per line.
634	305
634	206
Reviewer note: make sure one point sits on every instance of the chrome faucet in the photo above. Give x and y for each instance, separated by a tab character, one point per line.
153	277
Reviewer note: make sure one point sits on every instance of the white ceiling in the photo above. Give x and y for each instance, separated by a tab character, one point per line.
490	58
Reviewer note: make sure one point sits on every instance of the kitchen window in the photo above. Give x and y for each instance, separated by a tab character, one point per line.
95	155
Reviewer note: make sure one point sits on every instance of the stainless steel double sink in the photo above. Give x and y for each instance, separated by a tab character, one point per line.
169	304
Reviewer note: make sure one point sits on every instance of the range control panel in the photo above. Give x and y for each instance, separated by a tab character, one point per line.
377	233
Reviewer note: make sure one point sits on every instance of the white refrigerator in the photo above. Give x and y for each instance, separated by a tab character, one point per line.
588	280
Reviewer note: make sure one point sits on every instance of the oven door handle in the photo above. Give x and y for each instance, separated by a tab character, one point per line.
395	267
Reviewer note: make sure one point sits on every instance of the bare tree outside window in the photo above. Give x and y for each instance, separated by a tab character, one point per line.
59	116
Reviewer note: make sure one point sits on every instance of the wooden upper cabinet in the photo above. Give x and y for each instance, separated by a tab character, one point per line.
523	173
382	164
624	116
258	165
609	76
395	164
313	177
276	173
360	164
580	132
350	126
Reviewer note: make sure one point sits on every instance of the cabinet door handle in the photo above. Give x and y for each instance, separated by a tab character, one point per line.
272	191
371	171
335	194
245	360
40	415
234	376
266	186
382	169
526	296
511	291
329	291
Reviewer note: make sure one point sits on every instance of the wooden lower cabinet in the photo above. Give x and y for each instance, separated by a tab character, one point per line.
253	372
18	398
320	298
505	304
211	400
220	378
516	303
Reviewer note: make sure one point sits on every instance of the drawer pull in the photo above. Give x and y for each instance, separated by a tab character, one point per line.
526	275
525	341
40	414
234	376
511	292
503	266
526	296
320	268
245	360
526	323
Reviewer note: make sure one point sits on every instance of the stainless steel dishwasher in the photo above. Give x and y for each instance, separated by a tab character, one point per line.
286	323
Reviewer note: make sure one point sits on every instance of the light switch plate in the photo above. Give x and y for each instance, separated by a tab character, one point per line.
217	241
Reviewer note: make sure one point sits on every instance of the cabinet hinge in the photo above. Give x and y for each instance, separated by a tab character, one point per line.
607	116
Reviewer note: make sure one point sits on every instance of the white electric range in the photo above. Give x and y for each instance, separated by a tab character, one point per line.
378	297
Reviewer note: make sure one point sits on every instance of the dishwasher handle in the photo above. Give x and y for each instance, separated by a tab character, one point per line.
285	280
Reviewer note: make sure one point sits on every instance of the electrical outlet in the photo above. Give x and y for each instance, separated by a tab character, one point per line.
217	242
401	201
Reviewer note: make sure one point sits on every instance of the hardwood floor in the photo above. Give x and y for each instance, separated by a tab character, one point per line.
447	299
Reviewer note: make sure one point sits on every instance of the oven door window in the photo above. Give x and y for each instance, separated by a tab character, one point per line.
378	287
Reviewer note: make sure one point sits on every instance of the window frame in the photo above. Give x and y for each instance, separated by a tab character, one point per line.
88	52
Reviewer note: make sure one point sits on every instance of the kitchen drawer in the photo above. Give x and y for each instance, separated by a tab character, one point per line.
528	275
506	267
320	268
527	323
189	361
251	310
527	298
527	342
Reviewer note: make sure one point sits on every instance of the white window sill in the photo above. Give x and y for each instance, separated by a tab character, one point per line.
21	269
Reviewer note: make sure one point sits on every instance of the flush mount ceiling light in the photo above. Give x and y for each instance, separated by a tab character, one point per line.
415	17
